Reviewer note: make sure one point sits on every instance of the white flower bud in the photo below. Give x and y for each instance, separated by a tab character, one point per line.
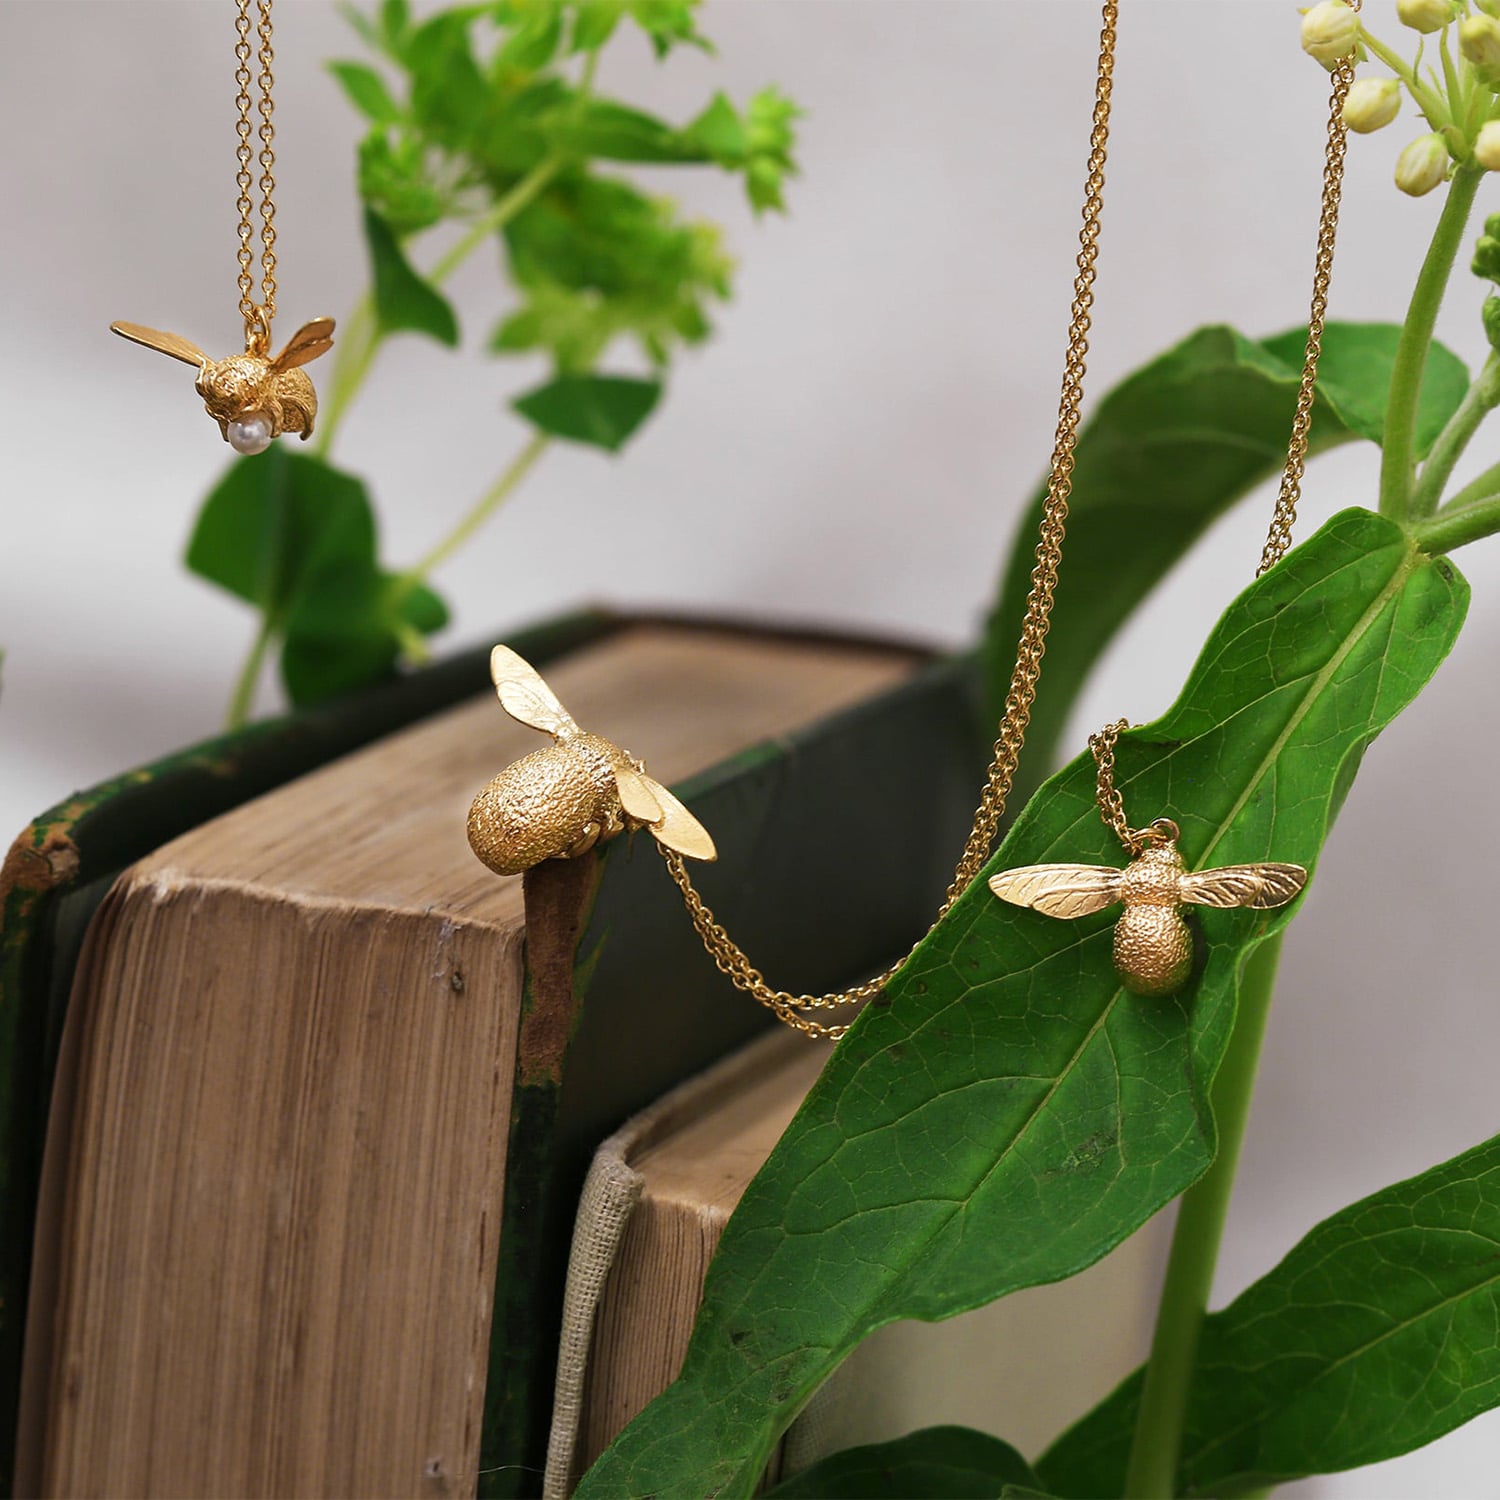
1487	146
1479	40
1371	104
1422	165
1329	31
1425	15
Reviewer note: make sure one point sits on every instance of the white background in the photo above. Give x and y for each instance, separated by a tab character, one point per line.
853	448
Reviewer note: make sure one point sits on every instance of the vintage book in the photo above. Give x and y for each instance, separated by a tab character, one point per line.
327	1088
652	1210
651	1214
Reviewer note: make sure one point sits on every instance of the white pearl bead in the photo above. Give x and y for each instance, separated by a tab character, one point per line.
250	433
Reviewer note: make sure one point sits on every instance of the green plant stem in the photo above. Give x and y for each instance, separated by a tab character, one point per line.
1479	400
244	687
362	342
1455	525
1478	489
487	504
1152	1473
1398	459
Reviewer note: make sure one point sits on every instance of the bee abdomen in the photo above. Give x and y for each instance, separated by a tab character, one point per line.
1153	949
536	809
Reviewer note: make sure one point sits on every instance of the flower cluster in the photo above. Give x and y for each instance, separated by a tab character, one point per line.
1459	98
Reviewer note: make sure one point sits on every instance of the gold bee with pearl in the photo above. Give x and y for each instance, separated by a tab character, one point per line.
252	397
580	791
1153	948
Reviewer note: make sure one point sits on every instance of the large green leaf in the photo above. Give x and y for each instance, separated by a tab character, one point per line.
1169	451
295	537
1379	1332
1005	1114
937	1463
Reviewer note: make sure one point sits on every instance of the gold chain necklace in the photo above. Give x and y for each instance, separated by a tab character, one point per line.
1153	948
562	801
253	397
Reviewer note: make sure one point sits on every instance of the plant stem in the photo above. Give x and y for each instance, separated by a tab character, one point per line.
1455	525
1479	400
487	504
362	342
1152	1473
1398	462
1476	489
244	686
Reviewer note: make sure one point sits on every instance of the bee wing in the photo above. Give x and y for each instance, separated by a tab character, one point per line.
309	341
164	343
638	794
677	828
1244	885
1059	890
525	697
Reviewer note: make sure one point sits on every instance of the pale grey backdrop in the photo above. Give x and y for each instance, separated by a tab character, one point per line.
853	448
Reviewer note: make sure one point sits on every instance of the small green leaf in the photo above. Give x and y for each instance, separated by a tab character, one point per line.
449	94
770	136
1375	1335
1486	263
602	410
296	538
721	132
367	91
403	300
394	183
594	23
1005	1113
536	34
668	23
610	131
937	1463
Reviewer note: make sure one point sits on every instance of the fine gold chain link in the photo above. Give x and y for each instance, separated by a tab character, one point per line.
1284	518
727	955
1279	538
257	318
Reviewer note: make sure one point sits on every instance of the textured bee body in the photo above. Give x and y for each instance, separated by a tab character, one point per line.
246	383
1153	948
555	803
253	397
580	791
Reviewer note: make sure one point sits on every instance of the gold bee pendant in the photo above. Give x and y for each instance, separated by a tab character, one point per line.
560	801
252	397
1153	948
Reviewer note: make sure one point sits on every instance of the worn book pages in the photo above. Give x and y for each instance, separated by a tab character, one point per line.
268	1233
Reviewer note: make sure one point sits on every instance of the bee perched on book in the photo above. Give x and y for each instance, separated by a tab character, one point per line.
582	790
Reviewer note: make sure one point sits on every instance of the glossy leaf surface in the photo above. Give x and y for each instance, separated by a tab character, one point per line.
1167	452
938	1463
1006	1114
295	537
1379	1332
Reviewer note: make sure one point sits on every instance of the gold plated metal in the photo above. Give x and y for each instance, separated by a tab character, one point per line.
1153	949
238	390
582	790
253	397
